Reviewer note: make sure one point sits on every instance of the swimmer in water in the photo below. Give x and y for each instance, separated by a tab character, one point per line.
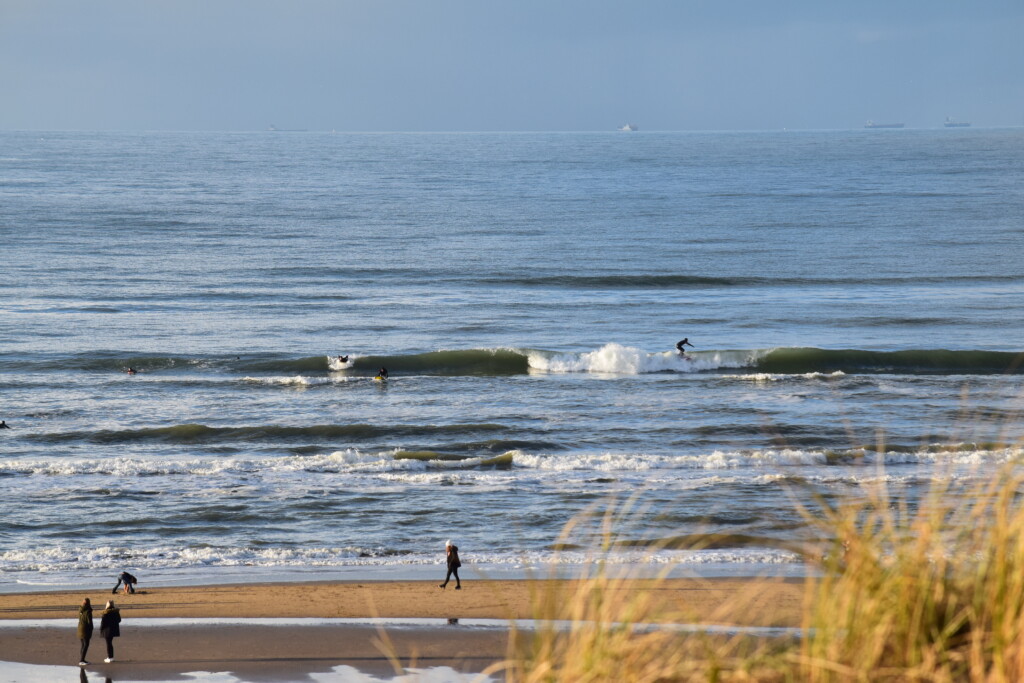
130	370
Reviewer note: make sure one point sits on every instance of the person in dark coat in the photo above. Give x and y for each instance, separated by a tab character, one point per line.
84	628
110	628
453	565
129	582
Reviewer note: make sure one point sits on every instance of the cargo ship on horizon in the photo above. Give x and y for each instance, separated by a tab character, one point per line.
953	123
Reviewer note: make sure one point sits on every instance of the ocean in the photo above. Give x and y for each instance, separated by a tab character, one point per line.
855	301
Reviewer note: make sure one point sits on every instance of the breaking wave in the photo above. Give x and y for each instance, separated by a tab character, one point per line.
611	358
353	460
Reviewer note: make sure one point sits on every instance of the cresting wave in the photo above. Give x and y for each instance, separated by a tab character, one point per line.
626	360
612	358
642	281
850	464
203	434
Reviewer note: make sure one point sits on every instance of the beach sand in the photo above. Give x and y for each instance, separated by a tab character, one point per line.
260	652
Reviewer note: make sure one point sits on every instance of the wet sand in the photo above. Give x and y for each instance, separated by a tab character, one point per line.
276	652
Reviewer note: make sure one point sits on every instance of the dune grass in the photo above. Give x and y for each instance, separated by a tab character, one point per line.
933	592
930	594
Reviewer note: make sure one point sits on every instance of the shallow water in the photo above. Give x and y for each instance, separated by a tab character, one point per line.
36	673
854	299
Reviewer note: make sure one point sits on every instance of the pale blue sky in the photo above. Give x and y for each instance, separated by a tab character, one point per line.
454	65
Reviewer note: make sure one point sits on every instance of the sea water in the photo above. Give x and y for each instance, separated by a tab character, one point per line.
855	301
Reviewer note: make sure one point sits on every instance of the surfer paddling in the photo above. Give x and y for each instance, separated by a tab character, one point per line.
681	344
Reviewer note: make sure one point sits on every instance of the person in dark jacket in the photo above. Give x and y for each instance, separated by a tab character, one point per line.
84	628
453	565
110	628
129	582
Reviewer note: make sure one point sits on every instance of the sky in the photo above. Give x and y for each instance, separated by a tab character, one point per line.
508	65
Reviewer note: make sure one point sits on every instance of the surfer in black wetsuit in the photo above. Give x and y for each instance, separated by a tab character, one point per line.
4	425
680	345
130	370
383	373
342	359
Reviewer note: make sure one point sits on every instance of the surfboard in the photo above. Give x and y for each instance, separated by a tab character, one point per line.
378	378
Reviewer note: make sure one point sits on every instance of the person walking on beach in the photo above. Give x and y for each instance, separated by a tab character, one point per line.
84	629
453	565
129	582
110	628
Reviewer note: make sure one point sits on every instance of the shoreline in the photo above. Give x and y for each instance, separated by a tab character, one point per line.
193	577
479	599
252	649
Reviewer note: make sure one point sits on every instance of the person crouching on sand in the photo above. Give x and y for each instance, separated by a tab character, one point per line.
110	628
129	582
84	629
453	565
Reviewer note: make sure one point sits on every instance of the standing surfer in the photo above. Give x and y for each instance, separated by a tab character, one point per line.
681	344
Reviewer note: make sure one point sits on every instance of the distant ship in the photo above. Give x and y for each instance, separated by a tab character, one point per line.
872	124
953	123
630	127
274	129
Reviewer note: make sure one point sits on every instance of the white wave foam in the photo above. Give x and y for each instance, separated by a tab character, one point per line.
751	459
772	377
335	365
354	461
296	381
627	360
